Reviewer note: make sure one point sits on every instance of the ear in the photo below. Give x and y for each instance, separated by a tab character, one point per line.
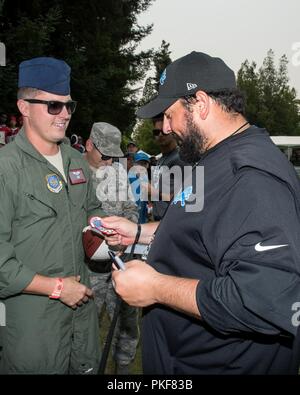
203	104
89	146
23	107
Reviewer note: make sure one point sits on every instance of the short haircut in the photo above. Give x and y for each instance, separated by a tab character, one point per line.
231	101
27	93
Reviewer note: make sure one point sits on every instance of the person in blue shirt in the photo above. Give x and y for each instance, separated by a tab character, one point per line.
138	178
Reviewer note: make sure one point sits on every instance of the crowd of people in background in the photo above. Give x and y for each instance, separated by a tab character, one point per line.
9	127
140	167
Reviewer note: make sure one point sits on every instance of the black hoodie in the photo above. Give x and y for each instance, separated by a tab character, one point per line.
242	241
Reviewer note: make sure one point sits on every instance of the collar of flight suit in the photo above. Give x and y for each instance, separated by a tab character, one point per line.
24	144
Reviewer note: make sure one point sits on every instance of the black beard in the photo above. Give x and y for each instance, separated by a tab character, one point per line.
193	143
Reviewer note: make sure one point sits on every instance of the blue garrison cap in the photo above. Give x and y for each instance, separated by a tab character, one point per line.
47	74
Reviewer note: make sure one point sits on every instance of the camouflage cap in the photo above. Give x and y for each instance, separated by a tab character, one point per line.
107	139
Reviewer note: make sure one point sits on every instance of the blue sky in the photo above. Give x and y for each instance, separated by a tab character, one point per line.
233	30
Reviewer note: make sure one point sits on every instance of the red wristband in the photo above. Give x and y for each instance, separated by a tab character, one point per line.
57	289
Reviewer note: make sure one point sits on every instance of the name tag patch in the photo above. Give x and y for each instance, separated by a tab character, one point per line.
77	176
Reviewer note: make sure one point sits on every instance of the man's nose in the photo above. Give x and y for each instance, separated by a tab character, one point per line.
64	113
166	126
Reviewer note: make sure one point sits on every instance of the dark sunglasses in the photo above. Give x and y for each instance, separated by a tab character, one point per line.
55	107
157	132
103	157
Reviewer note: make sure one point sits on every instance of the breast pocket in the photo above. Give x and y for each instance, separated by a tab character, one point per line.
32	208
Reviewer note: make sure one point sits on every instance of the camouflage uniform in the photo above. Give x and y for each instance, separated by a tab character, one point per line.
126	336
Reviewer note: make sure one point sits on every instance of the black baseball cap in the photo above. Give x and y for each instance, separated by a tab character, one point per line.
187	75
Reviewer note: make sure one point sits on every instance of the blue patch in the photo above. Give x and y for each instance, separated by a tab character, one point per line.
183	196
163	77
54	184
95	222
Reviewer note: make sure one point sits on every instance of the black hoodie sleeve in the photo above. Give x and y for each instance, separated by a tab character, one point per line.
255	287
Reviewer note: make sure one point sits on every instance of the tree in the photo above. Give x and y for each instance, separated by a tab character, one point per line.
160	60
36	35
143	130
271	102
248	82
144	138
98	39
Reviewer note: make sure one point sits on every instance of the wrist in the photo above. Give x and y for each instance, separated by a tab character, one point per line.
158	286
59	285
147	238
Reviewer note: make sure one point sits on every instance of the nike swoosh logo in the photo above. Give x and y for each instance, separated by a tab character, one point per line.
259	247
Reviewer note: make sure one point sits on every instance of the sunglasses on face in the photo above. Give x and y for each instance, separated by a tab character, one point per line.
103	157
55	107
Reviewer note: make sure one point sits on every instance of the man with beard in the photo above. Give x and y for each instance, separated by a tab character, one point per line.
222	285
168	172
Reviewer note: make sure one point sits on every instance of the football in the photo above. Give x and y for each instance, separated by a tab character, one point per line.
94	245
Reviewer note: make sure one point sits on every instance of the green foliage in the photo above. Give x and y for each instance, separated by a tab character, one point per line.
144	137
27	39
98	39
143	132
271	102
161	59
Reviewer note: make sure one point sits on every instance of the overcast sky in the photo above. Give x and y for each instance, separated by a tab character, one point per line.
234	30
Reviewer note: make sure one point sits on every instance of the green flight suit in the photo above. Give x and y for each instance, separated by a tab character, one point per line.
40	232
